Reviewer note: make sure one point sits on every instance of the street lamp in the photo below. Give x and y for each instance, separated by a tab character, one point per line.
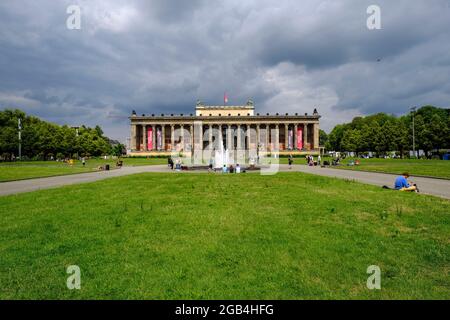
413	110
19	123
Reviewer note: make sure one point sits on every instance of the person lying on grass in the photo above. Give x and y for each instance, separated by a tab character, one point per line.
402	184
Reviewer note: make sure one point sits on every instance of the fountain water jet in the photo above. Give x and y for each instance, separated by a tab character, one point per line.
221	157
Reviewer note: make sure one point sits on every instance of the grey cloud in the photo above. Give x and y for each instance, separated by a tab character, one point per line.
160	56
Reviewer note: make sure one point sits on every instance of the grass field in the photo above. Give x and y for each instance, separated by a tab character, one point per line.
432	168
35	169
206	236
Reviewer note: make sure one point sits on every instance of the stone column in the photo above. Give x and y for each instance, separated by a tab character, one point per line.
239	147
294	147
210	137
182	136
220	134
199	135
154	139
249	136
191	131
229	139
286	136
316	136
305	136
276	144
172	137
267	137
133	138
197	142
258	137
144	137
163	137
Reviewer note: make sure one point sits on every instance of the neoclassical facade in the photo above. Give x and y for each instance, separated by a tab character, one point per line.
235	127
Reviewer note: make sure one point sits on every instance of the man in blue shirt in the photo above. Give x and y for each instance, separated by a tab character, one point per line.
402	184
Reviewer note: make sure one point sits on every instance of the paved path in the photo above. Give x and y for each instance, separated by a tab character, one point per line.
20	186
437	187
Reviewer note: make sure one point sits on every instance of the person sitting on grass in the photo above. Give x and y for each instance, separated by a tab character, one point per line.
402	184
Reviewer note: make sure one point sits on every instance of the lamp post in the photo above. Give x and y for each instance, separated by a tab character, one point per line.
19	123
413	110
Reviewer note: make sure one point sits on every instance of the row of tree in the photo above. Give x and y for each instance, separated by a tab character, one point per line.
382	133
44	140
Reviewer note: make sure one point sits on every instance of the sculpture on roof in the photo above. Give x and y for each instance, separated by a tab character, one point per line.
199	103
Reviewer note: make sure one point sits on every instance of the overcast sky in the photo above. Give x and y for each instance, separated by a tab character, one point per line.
161	56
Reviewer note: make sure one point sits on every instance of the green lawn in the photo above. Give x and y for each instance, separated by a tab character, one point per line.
433	168
36	169
212	236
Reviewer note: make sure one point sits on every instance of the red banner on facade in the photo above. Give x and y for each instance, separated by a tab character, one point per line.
299	138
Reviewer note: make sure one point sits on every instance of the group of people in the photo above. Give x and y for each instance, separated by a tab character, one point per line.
231	169
172	165
310	161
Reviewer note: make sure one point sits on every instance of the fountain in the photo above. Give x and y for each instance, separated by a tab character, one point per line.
221	157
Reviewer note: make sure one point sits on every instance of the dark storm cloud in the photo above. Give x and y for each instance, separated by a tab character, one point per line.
161	56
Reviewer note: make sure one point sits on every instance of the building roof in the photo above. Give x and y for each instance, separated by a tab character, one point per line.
225	107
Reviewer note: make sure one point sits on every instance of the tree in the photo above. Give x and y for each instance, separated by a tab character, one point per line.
400	138
41	139
323	138
351	141
335	138
118	150
383	133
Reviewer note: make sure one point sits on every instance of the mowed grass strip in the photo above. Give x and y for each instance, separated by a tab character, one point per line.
431	168
10	171
208	236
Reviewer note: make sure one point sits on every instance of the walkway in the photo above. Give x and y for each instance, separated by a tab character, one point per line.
437	187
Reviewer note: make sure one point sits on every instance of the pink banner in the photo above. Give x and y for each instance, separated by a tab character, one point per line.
291	136
150	138
299	138
158	139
